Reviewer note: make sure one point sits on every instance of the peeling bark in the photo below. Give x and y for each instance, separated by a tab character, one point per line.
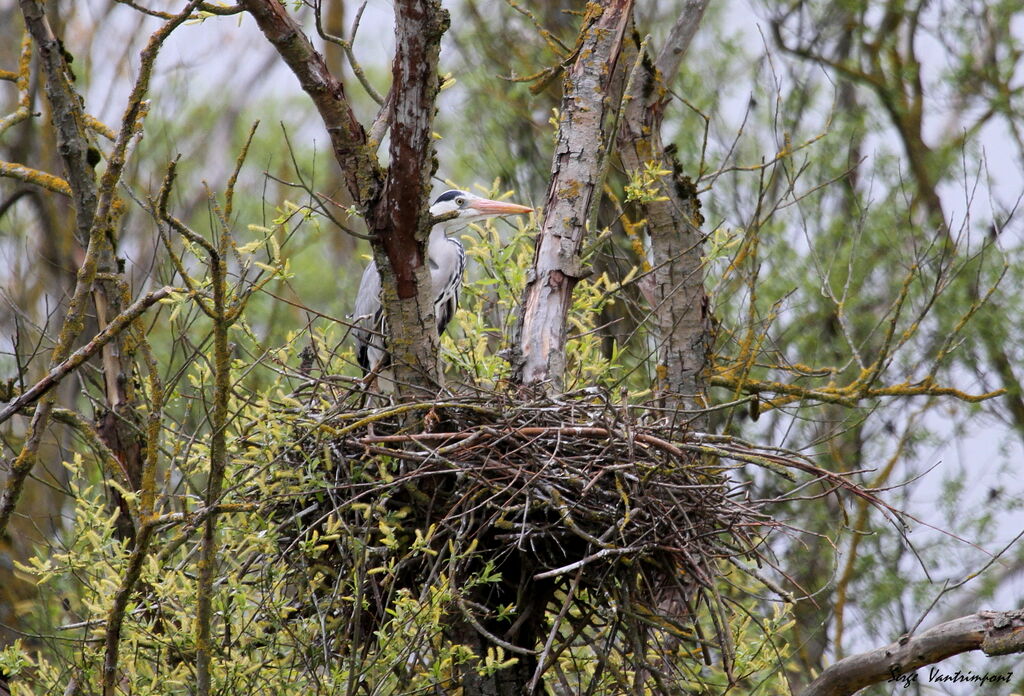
394	203
577	174
401	221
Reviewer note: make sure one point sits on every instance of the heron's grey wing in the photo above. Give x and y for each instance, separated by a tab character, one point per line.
450	261
367	314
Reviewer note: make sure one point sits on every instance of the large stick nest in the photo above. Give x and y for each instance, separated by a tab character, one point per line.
571	489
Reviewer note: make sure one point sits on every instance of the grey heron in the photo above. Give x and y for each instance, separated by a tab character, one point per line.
447	259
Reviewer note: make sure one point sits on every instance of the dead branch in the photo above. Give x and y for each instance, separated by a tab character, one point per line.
679	38
994	633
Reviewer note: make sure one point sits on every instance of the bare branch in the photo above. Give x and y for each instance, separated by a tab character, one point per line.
679	38
346	46
73	362
13	170
992	632
363	175
115	617
21	80
67	115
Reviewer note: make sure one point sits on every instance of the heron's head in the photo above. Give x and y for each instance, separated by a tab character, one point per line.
459	208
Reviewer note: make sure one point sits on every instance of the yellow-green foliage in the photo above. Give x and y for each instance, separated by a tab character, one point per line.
644	185
285	601
760	655
496	276
272	630
608	669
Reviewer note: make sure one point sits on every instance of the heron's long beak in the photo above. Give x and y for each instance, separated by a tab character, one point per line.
489	207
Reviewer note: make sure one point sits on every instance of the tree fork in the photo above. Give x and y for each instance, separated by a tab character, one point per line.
394	203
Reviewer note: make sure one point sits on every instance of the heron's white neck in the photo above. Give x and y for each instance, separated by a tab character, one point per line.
443	229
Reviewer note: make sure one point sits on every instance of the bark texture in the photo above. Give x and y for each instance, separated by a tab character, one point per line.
577	174
401	220
71	144
673	220
394	203
97	212
995	633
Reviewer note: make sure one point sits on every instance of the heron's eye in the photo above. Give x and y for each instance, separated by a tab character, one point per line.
460	202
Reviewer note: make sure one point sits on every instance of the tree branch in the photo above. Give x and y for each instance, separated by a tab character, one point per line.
21	80
679	37
75	360
994	633
13	170
538	353
363	175
70	122
218	460
68	117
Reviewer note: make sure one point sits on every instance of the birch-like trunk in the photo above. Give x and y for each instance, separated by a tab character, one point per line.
577	174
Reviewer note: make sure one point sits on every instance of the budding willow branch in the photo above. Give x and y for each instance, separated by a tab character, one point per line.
75	360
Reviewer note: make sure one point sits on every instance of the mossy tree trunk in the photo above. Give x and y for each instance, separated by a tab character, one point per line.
673	220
